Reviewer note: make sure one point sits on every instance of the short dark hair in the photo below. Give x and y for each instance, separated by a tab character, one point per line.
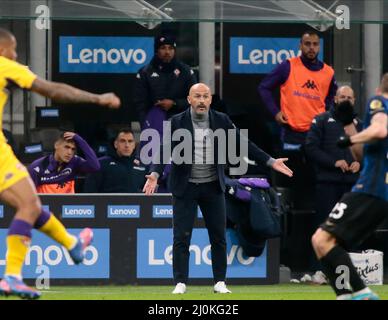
5	34
62	139
310	33
124	130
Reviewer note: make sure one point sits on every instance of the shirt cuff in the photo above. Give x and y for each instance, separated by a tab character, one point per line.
270	162
155	174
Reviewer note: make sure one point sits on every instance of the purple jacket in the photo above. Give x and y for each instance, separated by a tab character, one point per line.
49	177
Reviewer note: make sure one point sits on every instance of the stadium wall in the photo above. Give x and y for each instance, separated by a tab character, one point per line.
132	245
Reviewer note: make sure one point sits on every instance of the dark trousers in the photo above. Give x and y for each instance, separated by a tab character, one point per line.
327	194
301	185
211	201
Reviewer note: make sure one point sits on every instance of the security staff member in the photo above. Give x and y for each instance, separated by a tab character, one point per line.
336	169
201	182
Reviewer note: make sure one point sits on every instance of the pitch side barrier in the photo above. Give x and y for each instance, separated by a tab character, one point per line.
132	244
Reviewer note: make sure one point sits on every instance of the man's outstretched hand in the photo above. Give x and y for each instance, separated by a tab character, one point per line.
109	100
150	185
279	166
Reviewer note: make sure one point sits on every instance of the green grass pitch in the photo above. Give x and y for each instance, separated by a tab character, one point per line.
254	292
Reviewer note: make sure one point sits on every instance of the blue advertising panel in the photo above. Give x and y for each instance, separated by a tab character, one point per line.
166	211
78	211
46	252
104	54
162	211
154	256
261	55
123	211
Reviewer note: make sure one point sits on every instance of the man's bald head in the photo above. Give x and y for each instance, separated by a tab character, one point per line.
5	36
199	86
200	98
7	44
344	93
346	89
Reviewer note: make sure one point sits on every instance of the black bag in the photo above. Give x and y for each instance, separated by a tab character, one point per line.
265	213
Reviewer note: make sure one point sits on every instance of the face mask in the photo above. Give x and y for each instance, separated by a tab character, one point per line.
344	112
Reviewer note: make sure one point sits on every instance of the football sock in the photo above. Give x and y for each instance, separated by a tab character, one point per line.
341	272
346	296
365	290
52	227
18	242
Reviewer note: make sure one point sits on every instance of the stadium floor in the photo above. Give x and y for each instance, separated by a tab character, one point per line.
269	292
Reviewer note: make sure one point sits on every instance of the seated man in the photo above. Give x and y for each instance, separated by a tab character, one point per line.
336	169
55	173
120	171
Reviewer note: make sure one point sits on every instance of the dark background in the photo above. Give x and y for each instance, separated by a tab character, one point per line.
241	100
385	48
91	122
240	90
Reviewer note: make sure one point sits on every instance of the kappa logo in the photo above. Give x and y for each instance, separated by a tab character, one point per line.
310	84
154	75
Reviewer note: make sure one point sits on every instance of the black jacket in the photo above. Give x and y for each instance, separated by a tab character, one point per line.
254	221
180	173
322	150
157	81
117	175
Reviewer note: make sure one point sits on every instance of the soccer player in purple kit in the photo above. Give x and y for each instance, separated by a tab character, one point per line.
55	173
16	186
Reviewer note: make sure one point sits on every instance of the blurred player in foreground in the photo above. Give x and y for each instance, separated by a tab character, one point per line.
357	215
16	186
